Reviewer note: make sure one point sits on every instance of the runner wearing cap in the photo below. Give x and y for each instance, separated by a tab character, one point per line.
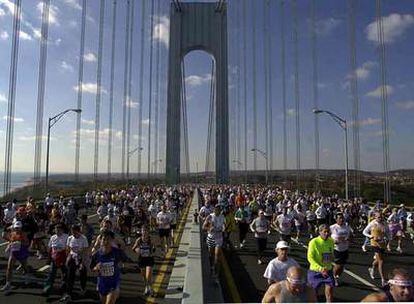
260	227
277	268
340	233
291	290
18	250
320	257
400	289
214	224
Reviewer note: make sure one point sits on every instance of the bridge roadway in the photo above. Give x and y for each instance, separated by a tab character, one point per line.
131	281
250	286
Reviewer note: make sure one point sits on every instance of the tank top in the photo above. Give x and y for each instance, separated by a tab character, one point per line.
287	297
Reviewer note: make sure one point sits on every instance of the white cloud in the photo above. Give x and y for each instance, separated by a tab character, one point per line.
145	122
4	35
25	36
3	98
53	13
90	57
364	71
290	112
162	30
66	66
16	119
33	138
394	26
131	104
37	33
89	134
89	88
7	6
368	122
195	80
88	122
377	91
406	105
326	26
74	4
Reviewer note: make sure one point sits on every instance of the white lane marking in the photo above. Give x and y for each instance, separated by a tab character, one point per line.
348	272
41	269
93	215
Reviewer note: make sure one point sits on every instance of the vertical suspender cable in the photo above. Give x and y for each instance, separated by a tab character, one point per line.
141	82
210	119
254	87
245	87
157	89
98	90
111	90
41	91
266	81
150	92
12	96
80	87
129	100
355	98
185	121
238	99
315	92
125	99
270	102
297	96
283	67
384	103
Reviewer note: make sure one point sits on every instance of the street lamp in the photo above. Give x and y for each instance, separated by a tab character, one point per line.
267	163
342	123
154	163
52	121
139	149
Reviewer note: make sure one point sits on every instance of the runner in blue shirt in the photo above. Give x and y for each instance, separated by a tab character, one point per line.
105	262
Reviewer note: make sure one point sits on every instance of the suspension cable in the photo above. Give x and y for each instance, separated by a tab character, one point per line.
111	90
254	87
80	90
283	67
245	87
238	99
12	96
315	91
384	102
131	44
270	94
210	118
141	83
98	90
150	91
297	93
157	89
266	80
355	98
41	91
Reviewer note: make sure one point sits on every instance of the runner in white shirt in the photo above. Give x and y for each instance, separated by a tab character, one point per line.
277	268
214	224
164	226
340	233
260	227
283	223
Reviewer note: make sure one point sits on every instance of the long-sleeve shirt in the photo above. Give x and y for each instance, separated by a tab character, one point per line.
320	254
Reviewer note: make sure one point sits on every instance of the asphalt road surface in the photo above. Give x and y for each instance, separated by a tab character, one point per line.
132	286
355	283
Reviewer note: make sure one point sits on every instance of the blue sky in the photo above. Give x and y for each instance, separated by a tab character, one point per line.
333	71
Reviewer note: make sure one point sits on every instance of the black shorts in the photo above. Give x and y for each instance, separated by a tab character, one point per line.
164	232
261	244
341	257
378	249
145	262
173	226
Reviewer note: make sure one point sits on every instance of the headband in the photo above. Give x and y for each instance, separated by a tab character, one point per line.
295	281
405	283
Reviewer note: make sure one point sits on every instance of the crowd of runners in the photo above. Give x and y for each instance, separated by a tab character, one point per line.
57	231
324	225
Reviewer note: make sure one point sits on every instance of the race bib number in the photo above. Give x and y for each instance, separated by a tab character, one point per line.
145	252
107	269
326	258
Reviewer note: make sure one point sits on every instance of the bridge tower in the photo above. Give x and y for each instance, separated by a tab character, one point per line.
197	26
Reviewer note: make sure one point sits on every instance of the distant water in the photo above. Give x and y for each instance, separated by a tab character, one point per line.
18	180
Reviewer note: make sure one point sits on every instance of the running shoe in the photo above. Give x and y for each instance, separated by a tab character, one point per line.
364	248
371	273
336	279
47	289
146	291
66	298
259	261
399	249
82	292
6	287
